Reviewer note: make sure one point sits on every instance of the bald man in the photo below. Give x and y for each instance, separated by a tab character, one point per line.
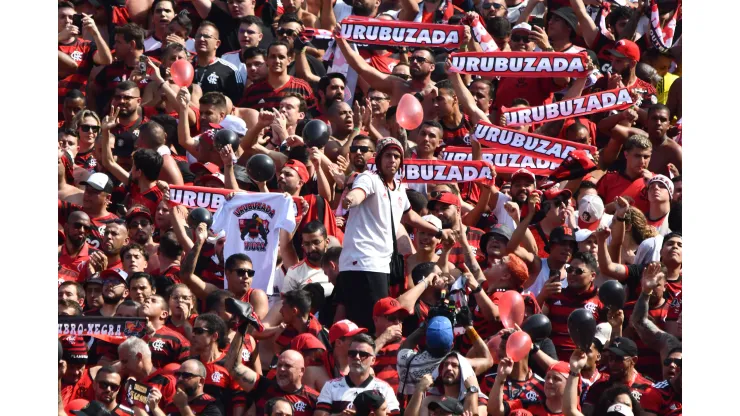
75	250
190	398
288	382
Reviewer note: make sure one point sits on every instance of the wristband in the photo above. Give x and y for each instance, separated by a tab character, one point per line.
476	290
619	219
472	334
535	348
574	374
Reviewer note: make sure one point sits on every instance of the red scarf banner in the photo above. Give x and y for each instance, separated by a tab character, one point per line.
503	162
110	329
618	99
662	37
441	171
198	196
527	144
383	32
480	33
520	64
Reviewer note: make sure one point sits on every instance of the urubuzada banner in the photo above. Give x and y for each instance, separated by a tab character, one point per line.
618	99
504	162
111	329
440	171
662	38
528	144
520	64
384	32
198	196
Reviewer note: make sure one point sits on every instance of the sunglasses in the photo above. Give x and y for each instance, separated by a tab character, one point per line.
243	272
487	6
354	353
142	223
106	385
669	361
362	149
419	59
437	194
184	374
89	128
376	99
575	271
286	32
201	331
403	76
517	38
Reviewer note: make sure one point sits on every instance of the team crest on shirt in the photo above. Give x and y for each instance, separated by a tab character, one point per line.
216	376
254	224
590	306
212	79
76	55
158	345
299	406
246	355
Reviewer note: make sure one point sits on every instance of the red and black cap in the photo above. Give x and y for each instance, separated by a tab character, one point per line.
577	165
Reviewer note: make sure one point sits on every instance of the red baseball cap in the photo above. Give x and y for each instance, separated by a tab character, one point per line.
119	273
344	328
138	210
446	198
208	167
299	167
626	49
524	173
387	306
554	193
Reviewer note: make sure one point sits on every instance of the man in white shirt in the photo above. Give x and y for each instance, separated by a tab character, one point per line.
369	238
315	242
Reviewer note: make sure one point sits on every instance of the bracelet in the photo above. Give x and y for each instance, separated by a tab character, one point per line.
535	348
426	284
476	290
472	334
619	219
574	374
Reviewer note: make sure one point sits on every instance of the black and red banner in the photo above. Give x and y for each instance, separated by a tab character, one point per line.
383	32
111	329
520	64
442	171
617	99
198	196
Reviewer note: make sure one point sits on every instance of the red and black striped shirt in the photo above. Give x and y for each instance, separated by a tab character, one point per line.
531	390
168	346
638	386
95	236
111	75
82	52
385	363
263	96
661	399
203	405
314	328
303	400
149	198
86	161
457	254
560	306
458	135
221	385
649	363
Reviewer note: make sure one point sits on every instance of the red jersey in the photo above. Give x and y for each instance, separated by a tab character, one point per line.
457	254
304	399
537	91
83	389
86	161
220	385
329	219
541	238
560	307
71	267
314	328
383	63
590	125
149	198
649	363
457	135
168	346
172	273
95	237
531	390
675	305
535	408
202	405
180	329
262	95
662	400
614	184
385	364
82	52
117	72
638	385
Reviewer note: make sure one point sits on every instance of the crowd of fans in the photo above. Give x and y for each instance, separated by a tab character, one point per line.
385	296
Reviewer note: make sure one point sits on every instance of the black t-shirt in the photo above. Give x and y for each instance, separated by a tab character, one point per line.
228	26
219	76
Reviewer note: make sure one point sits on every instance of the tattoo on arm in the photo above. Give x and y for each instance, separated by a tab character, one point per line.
242	373
188	264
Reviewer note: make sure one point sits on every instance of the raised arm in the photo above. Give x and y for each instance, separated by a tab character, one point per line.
606	266
408	299
467	102
203	7
496	397
243	375
303	69
588	28
67	65
570	396
327	19
479	356
107	124
649	333
103	55
378	80
200	288
183	125
409	10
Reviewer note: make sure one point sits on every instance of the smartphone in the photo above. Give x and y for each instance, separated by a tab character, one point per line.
537	21
77	21
142	64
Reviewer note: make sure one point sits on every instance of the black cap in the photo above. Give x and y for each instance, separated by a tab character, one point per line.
623	347
448	404
366	402
496	230
124	144
567	14
93	408
562	234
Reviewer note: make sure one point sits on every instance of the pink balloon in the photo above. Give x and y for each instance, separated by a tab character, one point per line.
511	308
182	72
409	113
518	346
494	343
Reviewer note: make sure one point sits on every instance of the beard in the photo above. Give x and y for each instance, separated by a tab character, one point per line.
625	73
447	381
315	257
190	391
141	238
357	368
418	73
112	300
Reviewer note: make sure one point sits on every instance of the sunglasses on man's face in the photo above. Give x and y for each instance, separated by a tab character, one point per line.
243	272
87	128
185	375
517	38
487	6
668	361
362	149
354	353
403	76
200	330
106	385
419	59
286	32
576	271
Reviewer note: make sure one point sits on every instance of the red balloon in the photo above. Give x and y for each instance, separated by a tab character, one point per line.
75	404
518	346
182	72
409	113
494	343
511	308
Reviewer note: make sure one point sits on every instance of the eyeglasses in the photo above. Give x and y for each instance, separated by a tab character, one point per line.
362	149
668	361
200	330
106	385
576	271
354	353
203	36
376	99
517	38
419	59
184	374
87	128
286	32
142	223
243	272
487	6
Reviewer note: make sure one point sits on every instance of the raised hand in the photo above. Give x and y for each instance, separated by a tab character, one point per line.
111	120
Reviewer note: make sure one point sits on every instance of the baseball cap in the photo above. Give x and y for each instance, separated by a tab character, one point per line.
208	167
215	176
567	14
619	409
523	173
93	408
74	349
433	219
367	401
344	328
387	306
562	234
496	230
556	193
115	272
583	235
299	167
448	404
100	182
667	183
524	27
235	124
626	49
446	198
439	333
603	334
590	211
623	347
138	210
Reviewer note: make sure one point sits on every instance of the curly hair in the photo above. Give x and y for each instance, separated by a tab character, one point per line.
641	230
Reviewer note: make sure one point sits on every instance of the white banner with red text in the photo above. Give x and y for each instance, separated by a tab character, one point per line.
504	162
617	99
441	171
520	64
383	32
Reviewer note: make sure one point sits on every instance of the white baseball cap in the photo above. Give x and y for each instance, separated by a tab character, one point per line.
603	333
522	26
583	235
619	409
433	219
590	211
235	124
100	182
